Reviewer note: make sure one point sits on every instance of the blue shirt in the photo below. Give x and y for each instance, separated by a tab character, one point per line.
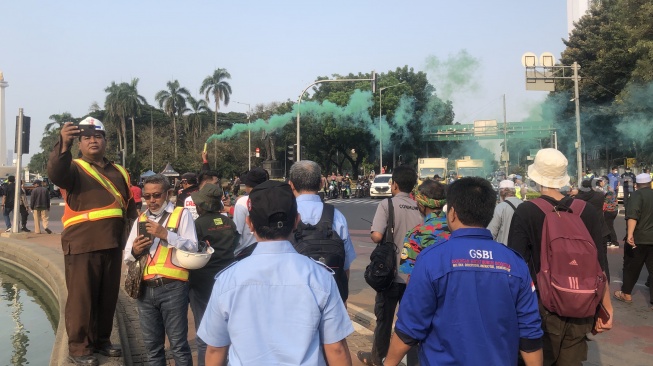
275	307
469	301
614	180
310	208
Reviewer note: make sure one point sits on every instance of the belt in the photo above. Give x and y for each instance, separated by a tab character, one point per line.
160	281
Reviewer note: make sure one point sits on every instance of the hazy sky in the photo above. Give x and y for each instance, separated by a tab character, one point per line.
59	56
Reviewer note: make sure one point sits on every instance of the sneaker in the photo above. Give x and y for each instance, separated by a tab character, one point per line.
613	245
8	230
26	230
48	231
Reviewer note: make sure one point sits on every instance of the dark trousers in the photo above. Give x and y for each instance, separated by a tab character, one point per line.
93	281
564	341
199	300
609	220
384	309
23	215
634	260
626	196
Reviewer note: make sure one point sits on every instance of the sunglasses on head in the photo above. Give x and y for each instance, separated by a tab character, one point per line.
156	196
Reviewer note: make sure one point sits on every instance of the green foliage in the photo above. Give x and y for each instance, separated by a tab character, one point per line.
613	45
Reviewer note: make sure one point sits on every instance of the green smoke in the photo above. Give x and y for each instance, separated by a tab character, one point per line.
356	110
453	75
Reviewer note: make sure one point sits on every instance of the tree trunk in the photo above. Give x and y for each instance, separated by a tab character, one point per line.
133	137
123	126
174	129
215	142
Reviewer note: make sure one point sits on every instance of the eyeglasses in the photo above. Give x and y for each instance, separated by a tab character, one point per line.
156	196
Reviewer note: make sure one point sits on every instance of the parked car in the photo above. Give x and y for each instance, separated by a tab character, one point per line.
381	186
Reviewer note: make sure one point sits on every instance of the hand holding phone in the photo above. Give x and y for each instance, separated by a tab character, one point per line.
601	313
142	230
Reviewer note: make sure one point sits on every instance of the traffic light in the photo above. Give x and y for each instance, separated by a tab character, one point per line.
374	80
24	135
291	152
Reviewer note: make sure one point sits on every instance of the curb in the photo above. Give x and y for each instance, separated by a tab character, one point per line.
362	317
47	268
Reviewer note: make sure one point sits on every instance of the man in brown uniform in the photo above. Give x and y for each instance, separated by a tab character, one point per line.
98	201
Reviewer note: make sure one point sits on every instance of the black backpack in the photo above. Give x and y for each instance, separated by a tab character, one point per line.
381	271
324	245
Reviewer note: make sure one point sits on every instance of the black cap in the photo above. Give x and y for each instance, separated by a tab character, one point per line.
255	177
269	199
191	178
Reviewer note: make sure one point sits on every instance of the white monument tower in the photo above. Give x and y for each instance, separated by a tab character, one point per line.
3	128
575	10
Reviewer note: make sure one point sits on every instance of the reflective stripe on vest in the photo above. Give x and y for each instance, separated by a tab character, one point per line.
114	210
161	264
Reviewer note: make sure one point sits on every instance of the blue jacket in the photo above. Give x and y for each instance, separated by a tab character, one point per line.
470	301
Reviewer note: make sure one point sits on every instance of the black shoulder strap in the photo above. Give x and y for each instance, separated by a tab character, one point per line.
390	227
511	205
328	211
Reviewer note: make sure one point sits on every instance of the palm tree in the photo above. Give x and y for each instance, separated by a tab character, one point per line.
114	104
197	107
58	120
173	102
132	102
220	89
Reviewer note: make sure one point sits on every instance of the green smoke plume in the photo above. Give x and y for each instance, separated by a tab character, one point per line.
453	75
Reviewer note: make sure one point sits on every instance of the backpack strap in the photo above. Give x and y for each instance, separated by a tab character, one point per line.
390	227
511	205
543	204
326	220
577	206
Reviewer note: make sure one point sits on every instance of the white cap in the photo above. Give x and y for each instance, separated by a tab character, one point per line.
643	178
506	184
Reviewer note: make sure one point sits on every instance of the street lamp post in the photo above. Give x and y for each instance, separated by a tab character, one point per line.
542	78
298	155
380	130
249	135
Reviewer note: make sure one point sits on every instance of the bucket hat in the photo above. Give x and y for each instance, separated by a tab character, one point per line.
549	169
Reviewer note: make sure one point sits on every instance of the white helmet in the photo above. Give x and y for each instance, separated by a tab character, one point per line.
89	125
190	260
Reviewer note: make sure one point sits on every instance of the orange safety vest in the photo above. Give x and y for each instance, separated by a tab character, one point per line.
161	263
114	210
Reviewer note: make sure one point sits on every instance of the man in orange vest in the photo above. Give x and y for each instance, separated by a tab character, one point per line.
98	201
160	231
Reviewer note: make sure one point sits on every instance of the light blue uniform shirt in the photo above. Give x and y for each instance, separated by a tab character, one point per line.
310	208
275	307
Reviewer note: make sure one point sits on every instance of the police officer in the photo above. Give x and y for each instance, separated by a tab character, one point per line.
251	322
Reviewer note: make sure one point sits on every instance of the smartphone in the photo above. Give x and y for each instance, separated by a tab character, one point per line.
142	230
601	313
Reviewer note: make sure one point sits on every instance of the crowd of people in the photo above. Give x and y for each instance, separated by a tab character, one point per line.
267	281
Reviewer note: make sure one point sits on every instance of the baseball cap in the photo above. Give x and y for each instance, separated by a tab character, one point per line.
272	204
255	177
191	178
506	184
643	178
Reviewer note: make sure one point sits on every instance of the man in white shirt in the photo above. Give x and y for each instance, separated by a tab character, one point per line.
251	179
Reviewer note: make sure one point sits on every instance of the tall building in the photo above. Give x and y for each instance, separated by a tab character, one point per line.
3	129
10	158
575	10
